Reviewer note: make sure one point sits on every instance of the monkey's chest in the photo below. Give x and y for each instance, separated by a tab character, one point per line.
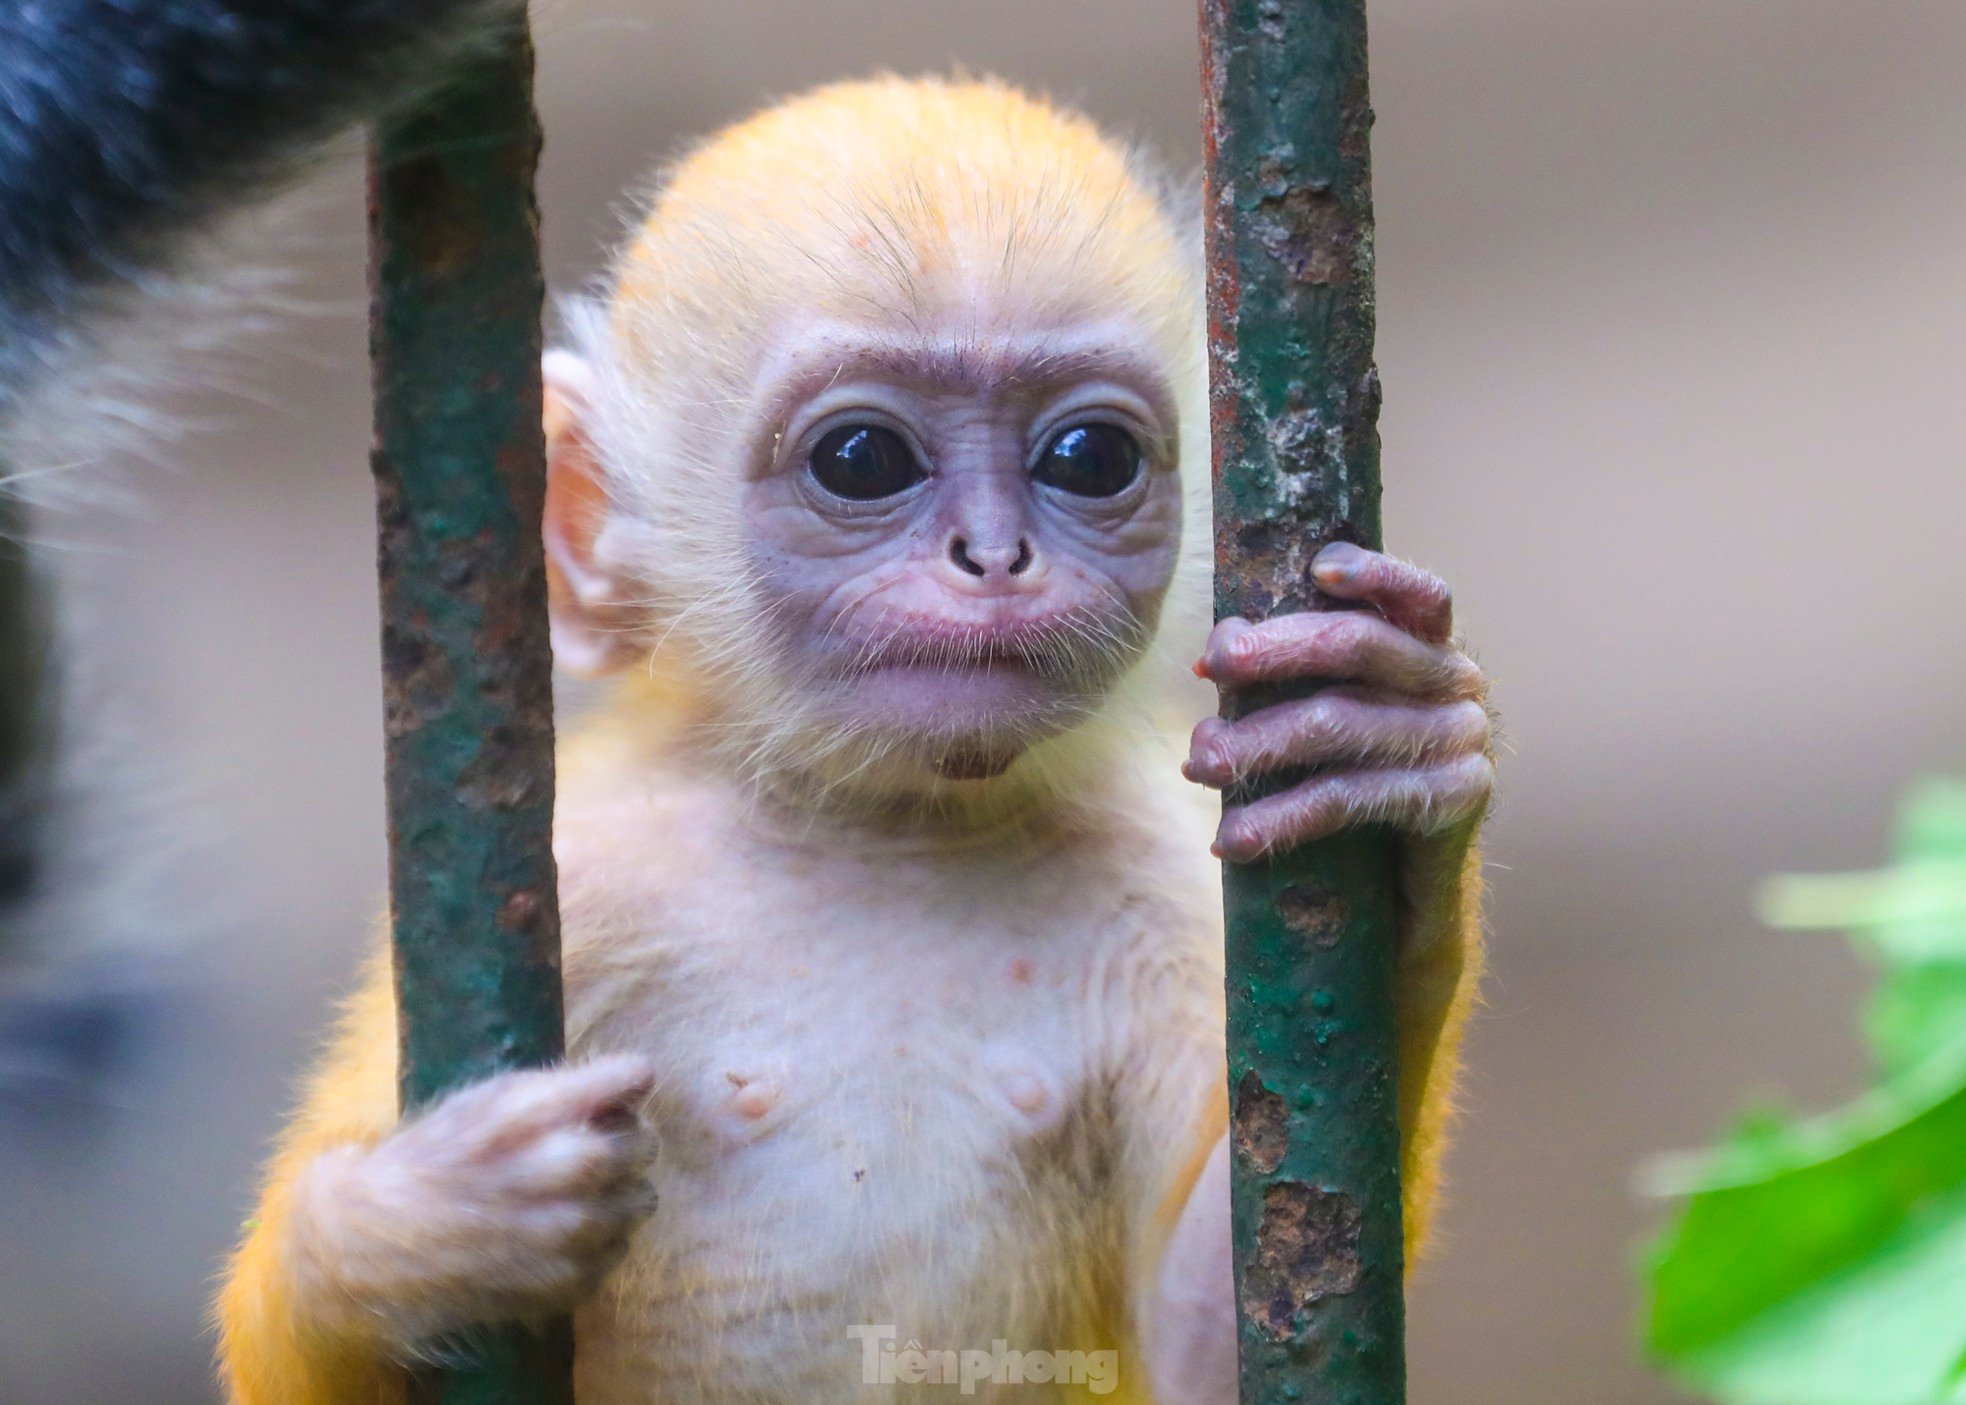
865	1145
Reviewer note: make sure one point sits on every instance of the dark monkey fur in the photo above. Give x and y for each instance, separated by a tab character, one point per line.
127	126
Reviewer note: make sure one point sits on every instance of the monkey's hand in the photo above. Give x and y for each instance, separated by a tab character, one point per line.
508	1199
1397	733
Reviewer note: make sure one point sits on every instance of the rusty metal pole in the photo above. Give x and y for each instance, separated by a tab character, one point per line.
1294	401
26	707
459	466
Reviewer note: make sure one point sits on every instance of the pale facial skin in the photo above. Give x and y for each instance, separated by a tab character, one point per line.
961	550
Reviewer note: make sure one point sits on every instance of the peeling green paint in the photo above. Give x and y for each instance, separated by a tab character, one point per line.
1294	403
460	475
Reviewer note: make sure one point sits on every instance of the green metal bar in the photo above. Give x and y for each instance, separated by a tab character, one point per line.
26	743
1294	401
460	473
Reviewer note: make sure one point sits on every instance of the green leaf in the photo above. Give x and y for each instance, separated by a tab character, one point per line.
1932	819
1823	1262
1915	912
1887	1330
1917	1013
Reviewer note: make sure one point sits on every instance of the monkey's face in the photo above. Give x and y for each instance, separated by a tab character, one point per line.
962	536
875	447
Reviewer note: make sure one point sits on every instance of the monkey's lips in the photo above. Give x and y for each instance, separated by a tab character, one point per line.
972	695
1060	645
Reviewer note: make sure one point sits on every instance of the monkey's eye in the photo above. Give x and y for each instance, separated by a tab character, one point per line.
863	462
1090	461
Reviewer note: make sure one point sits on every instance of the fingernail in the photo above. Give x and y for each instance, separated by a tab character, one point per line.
1336	562
1223	645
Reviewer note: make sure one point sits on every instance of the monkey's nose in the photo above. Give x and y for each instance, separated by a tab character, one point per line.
991	562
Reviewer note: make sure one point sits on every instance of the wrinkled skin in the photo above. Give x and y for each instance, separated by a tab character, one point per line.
979	609
1398	734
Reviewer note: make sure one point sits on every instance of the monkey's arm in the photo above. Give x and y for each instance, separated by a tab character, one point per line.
125	124
509	1199
1441	962
270	1351
1185	1303
1398	734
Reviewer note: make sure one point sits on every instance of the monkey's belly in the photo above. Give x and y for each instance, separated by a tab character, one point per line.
897	1105
813	1262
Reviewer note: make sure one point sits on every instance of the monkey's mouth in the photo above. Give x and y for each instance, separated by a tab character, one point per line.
967	697
985	655
975	763
1067	645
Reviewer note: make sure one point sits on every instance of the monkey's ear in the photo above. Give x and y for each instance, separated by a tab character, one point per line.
583	595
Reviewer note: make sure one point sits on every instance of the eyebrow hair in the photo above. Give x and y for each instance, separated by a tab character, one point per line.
973	363
970	366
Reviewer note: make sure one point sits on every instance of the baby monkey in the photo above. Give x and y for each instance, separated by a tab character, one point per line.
893	940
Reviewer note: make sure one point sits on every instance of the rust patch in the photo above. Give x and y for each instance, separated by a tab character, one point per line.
1267	570
1356	117
1297	436
520	910
1366	396
1309	232
1306	1250
1314	912
1276	169
417	679
504	772
1261	1125
450	236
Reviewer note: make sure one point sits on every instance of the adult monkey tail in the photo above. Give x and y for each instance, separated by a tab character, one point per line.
127	128
127	124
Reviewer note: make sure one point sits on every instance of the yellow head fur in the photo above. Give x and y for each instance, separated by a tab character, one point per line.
958	210
893	198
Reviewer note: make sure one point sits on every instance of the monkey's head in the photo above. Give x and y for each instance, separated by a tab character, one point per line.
875	436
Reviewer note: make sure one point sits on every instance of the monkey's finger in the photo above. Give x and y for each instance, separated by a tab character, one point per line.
1351	645
514	1109
1420	801
1336	725
581	1161
561	1252
635	1201
1416	600
594	1226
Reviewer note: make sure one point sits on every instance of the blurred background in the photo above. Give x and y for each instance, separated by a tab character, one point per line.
1673	319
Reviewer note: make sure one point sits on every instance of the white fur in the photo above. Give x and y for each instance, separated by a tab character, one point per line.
944	1021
